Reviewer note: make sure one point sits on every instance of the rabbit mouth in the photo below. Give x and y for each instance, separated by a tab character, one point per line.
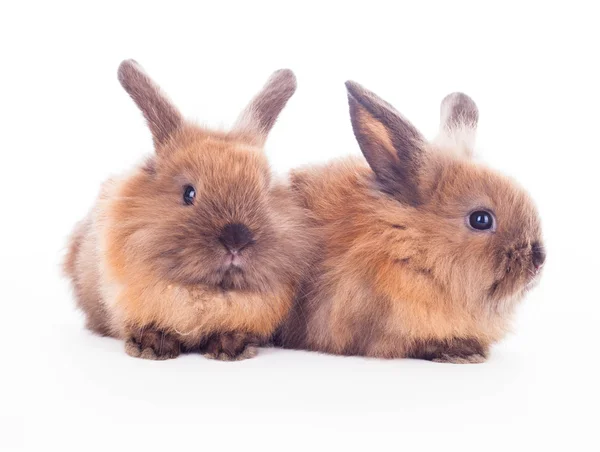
232	264
232	272
233	260
535	275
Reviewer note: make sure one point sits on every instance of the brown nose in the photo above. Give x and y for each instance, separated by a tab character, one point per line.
235	237
538	255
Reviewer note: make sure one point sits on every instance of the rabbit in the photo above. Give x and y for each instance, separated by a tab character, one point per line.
424	252
198	248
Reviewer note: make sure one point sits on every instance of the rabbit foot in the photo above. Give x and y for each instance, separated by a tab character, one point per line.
458	359
151	343
454	350
230	346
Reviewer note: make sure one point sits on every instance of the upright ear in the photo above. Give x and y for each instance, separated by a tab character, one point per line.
260	115
393	147
162	116
458	123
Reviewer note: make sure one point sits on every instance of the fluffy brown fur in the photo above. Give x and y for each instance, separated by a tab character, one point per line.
216	274
401	273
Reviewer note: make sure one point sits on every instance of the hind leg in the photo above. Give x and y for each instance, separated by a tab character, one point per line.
454	350
97	319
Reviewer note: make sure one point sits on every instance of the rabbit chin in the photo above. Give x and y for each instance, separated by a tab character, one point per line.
234	278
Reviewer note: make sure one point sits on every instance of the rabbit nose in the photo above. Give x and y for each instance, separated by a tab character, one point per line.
235	237
538	255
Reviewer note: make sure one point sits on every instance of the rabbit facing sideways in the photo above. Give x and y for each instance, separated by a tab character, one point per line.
197	249
423	255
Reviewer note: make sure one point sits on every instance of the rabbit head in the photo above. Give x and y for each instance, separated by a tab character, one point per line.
202	210
469	231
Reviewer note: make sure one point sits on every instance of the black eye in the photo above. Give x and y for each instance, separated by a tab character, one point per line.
481	220
189	193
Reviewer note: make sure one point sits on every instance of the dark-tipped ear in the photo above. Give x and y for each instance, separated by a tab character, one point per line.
392	146
260	115
458	123
162	116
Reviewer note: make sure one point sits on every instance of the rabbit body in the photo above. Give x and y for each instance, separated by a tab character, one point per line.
197	248
400	271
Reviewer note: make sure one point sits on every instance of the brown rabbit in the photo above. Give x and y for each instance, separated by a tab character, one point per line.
423	255
197	248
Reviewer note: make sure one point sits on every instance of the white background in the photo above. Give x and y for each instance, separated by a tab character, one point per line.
66	125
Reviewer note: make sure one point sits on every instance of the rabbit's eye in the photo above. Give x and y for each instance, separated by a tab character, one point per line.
189	193
481	220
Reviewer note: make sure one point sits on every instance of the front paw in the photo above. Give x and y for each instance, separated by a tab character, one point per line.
151	343
230	346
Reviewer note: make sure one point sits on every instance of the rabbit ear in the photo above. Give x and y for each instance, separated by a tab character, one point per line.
260	115
392	146
162	116
458	123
